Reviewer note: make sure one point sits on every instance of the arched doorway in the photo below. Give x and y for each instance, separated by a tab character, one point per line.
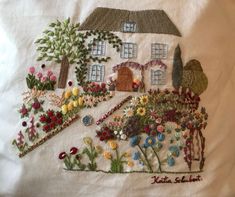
124	79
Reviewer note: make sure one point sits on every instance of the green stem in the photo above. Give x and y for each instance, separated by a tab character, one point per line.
159	162
145	156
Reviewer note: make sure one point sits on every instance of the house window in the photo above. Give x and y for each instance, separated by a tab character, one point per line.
159	51
96	73
98	49
129	27
128	50
158	77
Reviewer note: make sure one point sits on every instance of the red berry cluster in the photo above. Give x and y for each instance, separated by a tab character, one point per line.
105	134
95	88
50	120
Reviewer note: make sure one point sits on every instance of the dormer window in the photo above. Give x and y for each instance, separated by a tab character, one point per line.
159	51
129	27
98	49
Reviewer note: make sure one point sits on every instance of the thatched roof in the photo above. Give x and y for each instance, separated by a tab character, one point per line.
147	21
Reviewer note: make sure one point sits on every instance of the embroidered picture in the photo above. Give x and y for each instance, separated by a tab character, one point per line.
157	122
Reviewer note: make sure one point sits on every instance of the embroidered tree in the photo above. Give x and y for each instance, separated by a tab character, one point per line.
194	78
177	68
60	43
88	42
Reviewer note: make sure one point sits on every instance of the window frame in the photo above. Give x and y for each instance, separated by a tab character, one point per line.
129	27
128	50
96	73
159	51
156	78
98	49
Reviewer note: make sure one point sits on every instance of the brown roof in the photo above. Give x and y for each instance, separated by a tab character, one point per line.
147	21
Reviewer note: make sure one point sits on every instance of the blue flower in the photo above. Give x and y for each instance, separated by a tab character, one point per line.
136	156
135	140
159	145
160	136
149	141
175	151
170	161
87	120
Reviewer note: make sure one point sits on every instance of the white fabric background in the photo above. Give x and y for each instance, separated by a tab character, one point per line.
207	27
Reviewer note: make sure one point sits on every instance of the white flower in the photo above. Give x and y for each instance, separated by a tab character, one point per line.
134	101
115	132
123	137
121	132
128	112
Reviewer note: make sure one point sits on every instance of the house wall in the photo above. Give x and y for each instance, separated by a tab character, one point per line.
143	42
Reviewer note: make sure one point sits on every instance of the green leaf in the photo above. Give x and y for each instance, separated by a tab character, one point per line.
52	25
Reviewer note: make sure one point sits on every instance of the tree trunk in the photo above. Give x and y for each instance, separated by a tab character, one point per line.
64	69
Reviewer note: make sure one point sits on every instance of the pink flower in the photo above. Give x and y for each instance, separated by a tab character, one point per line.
160	128
158	120
44	79
49	73
32	70
39	75
53	78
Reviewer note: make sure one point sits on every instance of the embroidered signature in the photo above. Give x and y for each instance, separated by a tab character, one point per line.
178	179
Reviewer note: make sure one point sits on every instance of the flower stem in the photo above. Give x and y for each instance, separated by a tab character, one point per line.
145	156
159	162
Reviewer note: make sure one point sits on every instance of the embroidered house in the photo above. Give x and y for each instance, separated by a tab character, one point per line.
149	39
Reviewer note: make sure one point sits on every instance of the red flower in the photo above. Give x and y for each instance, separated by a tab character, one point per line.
58	114
103	85
53	118
46	128
50	113
52	125
36	105
60	121
62	155
73	151
42	118
24	111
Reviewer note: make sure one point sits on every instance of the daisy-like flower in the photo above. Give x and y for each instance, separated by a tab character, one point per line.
134	101
141	111
144	100
128	112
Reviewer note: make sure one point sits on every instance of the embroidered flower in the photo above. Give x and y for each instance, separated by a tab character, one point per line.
49	73
130	163
73	151
64	109
87	120
128	112
87	141
75	103
98	149
149	141
67	94
80	101
141	111
24	111
160	128
44	79
32	70
75	91
70	106
174	151
53	78
62	155
144	100
112	144
39	75
136	156
135	140
134	101
158	120
170	161
107	155
160	137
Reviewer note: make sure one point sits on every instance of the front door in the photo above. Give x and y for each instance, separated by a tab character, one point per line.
124	79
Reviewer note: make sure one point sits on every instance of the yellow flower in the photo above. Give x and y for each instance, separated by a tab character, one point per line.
75	103
127	154
144	100
141	111
107	155
113	145
80	101
130	163
67	94
87	140
98	149
70	106
75	91
64	109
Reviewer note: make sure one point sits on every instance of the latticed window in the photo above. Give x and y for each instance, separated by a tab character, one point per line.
159	51
128	50
96	73
98	49
129	27
158	77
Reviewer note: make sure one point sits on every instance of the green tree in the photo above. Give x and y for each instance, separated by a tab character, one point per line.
177	72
